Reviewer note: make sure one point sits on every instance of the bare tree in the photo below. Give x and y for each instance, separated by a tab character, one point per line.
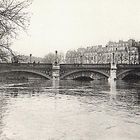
70	56
51	58
13	18
4	55
61	58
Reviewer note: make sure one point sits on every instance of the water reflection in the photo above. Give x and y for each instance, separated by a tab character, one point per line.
42	110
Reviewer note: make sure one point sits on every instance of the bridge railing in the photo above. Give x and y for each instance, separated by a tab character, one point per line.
25	65
73	66
128	66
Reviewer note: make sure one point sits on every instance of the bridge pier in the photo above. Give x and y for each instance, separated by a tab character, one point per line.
56	72
113	71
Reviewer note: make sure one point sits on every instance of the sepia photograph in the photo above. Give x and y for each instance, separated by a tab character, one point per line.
69	70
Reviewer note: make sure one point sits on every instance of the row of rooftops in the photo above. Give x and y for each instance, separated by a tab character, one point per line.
109	47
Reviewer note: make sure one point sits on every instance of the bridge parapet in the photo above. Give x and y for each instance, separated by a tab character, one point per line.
79	66
43	65
128	66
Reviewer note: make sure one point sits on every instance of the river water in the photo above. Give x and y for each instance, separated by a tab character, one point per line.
70	110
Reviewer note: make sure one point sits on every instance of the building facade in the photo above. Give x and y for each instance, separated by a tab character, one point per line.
112	52
122	52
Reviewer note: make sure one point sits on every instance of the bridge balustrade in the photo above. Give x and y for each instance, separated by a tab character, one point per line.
128	66
25	65
71	66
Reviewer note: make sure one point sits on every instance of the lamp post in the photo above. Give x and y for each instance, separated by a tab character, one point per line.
132	57
135	55
138	54
121	57
129	57
81	59
56	57
113	55
30	58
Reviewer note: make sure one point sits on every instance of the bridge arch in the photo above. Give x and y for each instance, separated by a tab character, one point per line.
129	74
91	74
43	75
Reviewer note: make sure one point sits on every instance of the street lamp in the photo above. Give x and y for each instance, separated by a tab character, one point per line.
129	57
81	59
113	57
30	58
56	57
121	57
135	55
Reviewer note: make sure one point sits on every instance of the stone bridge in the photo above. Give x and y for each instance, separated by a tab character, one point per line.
25	71
128	71
67	71
79	71
48	71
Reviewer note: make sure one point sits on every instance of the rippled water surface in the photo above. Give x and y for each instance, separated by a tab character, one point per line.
70	110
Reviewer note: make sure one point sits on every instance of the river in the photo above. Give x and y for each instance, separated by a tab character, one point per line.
70	110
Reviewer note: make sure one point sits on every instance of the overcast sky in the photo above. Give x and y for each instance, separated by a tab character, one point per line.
67	24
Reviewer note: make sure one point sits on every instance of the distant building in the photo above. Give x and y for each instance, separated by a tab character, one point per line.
113	52
122	52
